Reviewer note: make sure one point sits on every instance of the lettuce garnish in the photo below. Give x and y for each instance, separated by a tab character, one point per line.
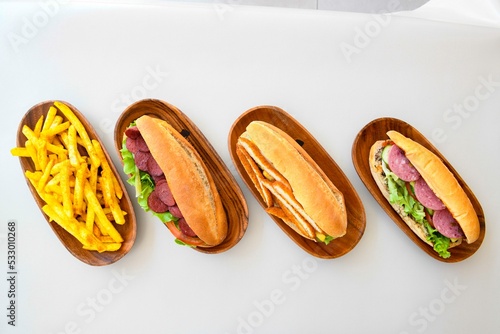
398	194
143	184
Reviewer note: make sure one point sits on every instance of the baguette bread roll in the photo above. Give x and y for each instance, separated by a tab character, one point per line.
315	197
442	181
188	178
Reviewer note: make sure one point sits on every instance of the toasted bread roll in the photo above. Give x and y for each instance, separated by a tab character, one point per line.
299	187
188	178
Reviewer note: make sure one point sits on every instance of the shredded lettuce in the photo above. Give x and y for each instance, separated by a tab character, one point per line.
143	184
440	242
328	238
398	194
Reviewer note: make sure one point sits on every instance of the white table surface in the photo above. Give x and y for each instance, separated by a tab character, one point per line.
214	63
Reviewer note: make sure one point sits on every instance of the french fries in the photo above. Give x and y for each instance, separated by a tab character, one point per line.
74	179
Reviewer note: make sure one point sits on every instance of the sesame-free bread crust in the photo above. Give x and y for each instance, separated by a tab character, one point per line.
188	178
318	196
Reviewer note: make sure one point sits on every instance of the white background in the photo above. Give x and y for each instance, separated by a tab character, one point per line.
214	62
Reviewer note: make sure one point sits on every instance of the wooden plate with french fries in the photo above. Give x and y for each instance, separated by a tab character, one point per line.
75	183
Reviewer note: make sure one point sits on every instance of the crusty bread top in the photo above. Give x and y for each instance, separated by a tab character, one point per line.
321	200
188	178
442	181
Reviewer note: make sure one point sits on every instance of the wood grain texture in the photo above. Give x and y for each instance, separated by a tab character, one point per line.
356	220
231	195
376	130
127	230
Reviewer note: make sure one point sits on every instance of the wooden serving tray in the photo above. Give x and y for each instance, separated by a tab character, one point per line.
232	198
127	230
376	130
356	220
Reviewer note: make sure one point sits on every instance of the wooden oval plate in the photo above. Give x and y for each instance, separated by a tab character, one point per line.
376	130
232	197
356	220
127	230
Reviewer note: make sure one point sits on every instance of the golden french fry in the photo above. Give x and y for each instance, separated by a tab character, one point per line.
110	199
41	152
65	190
89	219
50	118
106	168
97	231
78	205
35	176
104	224
80	129
54	130
20	152
32	152
104	247
106	239
93	178
57	120
28	133
38	127
45	176
74	156
57	149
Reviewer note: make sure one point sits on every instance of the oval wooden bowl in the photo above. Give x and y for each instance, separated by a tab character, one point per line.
376	130
127	230
232	198
356	220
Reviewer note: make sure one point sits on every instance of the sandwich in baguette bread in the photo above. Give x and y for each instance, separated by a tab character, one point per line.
424	192
291	184
173	182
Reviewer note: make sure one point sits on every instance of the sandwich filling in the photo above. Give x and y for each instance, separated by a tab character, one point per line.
152	190
408	190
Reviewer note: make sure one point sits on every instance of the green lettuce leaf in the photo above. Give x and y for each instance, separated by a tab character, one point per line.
328	238
398	194
143	183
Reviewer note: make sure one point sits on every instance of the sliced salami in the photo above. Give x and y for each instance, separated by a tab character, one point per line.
131	145
426	196
153	167
447	225
132	132
159	178
141	160
175	211
141	144
184	227
156	204
164	194
401	166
